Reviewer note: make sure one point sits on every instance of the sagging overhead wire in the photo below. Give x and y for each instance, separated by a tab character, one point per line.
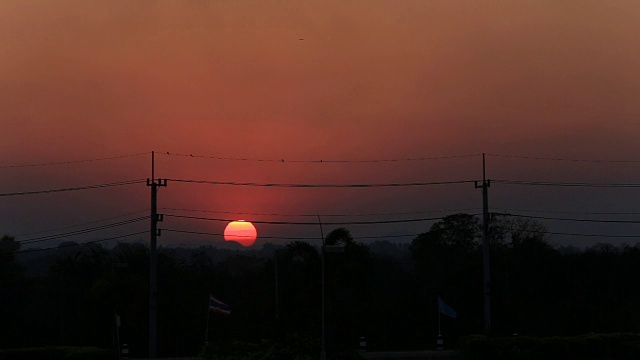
396	236
86	187
321	214
81	232
565	159
595	235
286	237
510	228
432	183
83	243
614	221
323	161
566	184
233	183
82	224
73	161
282	185
507	210
313	223
317	161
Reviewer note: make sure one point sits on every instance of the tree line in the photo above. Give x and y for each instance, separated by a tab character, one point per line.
386	292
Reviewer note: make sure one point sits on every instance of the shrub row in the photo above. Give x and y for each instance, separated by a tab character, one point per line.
592	346
56	353
292	347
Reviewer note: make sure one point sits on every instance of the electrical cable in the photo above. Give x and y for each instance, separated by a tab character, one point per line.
396	236
321	185
73	161
81	232
98	186
311	223
566	212
321	215
567	184
568	234
614	221
321	161
83	243
594	235
81	224
284	237
563	159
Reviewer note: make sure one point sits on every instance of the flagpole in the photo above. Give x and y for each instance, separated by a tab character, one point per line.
206	331
439	312
439	341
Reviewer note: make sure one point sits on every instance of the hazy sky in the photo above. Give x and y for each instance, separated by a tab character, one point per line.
308	80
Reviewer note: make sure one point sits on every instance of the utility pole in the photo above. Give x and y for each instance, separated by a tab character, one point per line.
485	247
333	248
323	350
275	257
153	258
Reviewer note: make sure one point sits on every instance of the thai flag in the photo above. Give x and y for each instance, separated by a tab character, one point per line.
218	306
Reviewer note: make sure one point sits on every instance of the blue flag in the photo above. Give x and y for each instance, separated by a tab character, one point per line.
446	309
218	306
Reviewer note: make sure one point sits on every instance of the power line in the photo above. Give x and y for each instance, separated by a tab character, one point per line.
619	221
508	228
82	224
565	159
281	185
285	237
594	235
615	221
567	184
395	236
83	243
567	212
315	223
233	183
317	161
82	231
98	186
321	215
283	160
73	161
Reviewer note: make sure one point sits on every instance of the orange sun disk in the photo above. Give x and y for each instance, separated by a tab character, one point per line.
242	232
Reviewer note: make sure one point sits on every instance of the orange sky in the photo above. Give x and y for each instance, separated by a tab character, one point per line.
369	80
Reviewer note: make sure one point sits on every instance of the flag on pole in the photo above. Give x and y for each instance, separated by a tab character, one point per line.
216	305
446	309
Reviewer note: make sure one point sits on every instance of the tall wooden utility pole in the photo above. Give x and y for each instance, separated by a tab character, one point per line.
486	253
153	259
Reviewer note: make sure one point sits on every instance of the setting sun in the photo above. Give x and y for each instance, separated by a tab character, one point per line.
242	232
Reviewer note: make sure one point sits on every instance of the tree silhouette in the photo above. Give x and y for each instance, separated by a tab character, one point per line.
12	292
388	294
299	286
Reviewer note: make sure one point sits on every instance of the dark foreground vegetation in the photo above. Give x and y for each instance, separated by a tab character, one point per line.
383	291
594	346
56	353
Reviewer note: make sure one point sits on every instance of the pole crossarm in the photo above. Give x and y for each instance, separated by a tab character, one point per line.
486	183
